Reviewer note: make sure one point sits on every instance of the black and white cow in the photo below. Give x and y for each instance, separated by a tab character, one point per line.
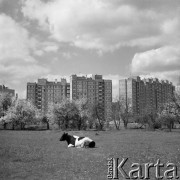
76	141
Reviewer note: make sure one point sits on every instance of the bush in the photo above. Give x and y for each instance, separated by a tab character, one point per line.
168	121
21	113
149	120
157	124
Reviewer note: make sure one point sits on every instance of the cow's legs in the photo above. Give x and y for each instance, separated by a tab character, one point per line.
70	145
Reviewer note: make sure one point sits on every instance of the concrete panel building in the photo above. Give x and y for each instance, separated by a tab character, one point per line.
44	92
145	95
96	89
4	89
177	87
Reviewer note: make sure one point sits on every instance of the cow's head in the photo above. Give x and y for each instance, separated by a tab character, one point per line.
64	137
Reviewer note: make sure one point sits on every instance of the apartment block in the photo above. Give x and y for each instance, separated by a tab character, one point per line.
96	89
4	89
177	87
145	95
44	92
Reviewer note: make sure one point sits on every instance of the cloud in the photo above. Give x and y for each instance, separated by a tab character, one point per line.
171	25
102	25
14	40
17	65
55	28
17	76
68	54
163	63
161	59
51	48
38	52
45	47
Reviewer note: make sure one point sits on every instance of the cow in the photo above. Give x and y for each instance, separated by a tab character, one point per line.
76	141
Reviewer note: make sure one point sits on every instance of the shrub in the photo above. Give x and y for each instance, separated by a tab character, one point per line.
149	120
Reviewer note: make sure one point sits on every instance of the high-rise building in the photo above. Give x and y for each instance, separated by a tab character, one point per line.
44	92
4	89
177	87
95	89
145	95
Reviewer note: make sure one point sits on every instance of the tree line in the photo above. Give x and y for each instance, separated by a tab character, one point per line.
165	116
76	114
79	114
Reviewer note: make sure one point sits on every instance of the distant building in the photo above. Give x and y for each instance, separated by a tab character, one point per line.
145	95
4	89
177	87
96	89
44	92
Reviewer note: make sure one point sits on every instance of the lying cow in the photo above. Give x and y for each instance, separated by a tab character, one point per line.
76	141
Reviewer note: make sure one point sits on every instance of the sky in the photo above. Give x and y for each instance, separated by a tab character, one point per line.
116	38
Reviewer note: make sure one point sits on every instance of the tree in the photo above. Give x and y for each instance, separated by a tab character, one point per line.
97	112
64	112
149	119
6	101
5	120
82	112
125	107
176	104
168	114
48	118
23	112
167	120
141	120
116	115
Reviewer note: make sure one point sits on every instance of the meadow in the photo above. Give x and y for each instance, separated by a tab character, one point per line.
36	155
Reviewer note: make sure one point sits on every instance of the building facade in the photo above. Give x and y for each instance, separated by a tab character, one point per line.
44	92
145	95
95	89
4	89
177	87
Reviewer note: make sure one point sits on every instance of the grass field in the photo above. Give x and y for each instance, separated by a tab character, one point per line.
40	154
